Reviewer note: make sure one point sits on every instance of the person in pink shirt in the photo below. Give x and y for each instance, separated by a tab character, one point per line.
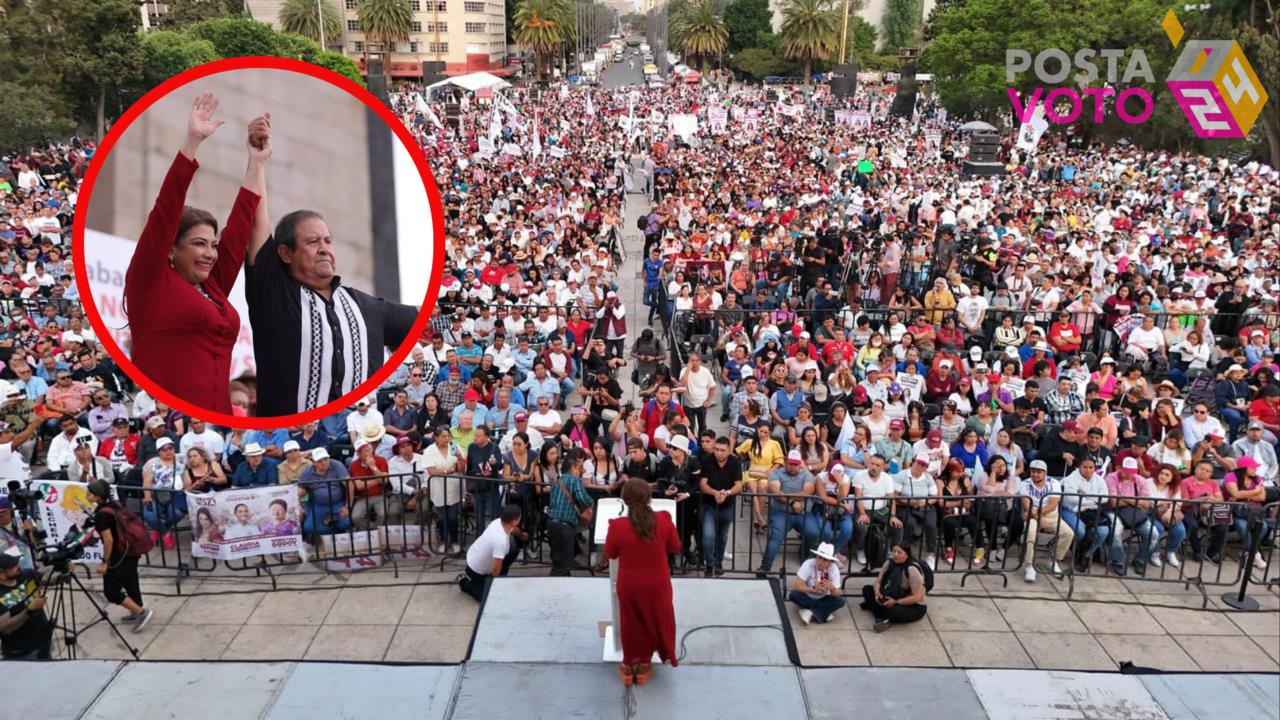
1198	491
1130	491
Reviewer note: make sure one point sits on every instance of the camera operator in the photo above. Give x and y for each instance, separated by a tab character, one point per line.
12	536
18	413
119	569
25	630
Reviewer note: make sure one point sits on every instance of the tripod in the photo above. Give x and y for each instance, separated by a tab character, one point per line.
62	610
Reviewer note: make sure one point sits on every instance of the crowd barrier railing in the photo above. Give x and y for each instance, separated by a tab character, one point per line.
435	518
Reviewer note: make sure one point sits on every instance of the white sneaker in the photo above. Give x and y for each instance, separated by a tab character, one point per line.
1030	574
1259	563
862	557
1155	559
728	556
997	556
806	615
1173	560
1057	569
455	549
931	561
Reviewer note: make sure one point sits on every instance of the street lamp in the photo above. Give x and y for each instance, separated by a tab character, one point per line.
320	23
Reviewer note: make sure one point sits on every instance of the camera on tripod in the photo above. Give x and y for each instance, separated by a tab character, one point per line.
71	547
27	502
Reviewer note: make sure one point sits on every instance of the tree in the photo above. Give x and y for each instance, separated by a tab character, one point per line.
184	13
236	37
760	63
300	17
700	33
384	22
810	31
30	116
746	21
544	26
166	53
901	23
635	21
340	64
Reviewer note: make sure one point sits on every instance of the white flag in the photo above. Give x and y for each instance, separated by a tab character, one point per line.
1030	132
536	150
591	108
424	109
495	125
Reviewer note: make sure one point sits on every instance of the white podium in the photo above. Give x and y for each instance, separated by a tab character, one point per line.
606	510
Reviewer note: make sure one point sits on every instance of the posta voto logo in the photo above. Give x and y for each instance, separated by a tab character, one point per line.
1214	84
1212	81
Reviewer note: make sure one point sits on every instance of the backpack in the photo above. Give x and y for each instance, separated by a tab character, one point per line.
925	572
876	547
132	532
642	223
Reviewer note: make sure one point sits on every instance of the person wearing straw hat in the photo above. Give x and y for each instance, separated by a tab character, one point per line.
256	470
816	590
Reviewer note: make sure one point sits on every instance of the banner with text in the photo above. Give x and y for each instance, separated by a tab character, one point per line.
235	524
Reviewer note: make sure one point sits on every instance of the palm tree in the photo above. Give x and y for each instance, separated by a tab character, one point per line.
384	22
543	26
810	31
699	32
299	17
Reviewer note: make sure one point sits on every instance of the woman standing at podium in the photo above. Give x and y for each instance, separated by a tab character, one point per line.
641	542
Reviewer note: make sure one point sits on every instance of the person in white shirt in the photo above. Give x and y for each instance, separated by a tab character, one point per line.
200	436
241	528
445	458
63	446
1040	503
916	492
700	387
873	489
1146	341
521	424
1200	425
1083	492
12	466
491	554
817	586
366	415
408	477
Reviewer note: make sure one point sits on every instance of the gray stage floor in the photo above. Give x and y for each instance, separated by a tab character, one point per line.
106	690
533	620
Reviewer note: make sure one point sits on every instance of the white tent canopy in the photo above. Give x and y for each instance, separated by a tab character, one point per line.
473	82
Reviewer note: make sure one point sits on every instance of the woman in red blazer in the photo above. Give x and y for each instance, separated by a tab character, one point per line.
641	542
183	326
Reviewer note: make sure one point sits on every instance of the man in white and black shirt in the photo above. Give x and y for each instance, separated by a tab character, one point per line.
314	339
492	553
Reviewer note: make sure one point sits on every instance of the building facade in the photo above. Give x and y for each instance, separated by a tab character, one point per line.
466	35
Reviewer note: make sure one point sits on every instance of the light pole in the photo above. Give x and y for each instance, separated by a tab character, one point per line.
844	32
320	23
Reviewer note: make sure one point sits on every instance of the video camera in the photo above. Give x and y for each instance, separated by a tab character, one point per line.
71	547
27	503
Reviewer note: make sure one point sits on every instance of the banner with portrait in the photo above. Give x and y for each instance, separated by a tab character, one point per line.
245	522
717	120
66	504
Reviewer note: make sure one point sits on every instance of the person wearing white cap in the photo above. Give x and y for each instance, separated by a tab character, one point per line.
289	471
257	470
835	507
1126	487
1233	396
790	489
323	488
1040	503
62	446
679	477
816	589
163	500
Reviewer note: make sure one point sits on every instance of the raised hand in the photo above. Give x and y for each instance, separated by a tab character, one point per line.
200	125
260	137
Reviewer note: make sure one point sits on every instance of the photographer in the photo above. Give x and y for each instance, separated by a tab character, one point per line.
679	474
25	630
119	567
19	539
12	464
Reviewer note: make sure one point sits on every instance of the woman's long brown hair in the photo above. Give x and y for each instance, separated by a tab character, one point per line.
636	494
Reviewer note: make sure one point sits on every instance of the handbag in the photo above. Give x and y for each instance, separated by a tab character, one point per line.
1215	514
585	515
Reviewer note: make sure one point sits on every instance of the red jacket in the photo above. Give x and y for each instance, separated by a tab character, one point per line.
108	446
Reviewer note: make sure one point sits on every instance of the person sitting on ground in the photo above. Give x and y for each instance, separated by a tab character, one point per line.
898	593
817	590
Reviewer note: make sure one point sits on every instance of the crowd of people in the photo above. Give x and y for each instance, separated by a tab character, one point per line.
889	358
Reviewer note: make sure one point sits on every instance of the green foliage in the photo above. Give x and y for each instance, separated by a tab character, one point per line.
179	14
636	21
236	37
699	33
166	53
862	36
746	21
545	27
340	64
30	115
810	31
385	21
901	24
759	63
300	18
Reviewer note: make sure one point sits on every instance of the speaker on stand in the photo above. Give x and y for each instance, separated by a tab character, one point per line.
984	152
377	81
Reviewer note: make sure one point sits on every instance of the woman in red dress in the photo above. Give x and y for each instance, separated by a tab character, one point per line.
182	324
641	543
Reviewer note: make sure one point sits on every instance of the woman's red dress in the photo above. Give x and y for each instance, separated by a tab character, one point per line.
646	610
181	341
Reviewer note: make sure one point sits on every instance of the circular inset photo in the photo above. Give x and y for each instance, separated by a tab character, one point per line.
242	241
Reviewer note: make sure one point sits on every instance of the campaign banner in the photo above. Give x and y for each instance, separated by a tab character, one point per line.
1017	387
685	126
844	117
66	504
717	120
246	522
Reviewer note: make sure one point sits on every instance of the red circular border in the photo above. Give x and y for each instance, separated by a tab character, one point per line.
246	63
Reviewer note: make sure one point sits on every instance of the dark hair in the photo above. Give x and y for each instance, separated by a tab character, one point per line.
193	217
510	513
279	502
636	493
287	228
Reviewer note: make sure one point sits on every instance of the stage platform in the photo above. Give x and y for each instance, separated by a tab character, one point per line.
536	654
